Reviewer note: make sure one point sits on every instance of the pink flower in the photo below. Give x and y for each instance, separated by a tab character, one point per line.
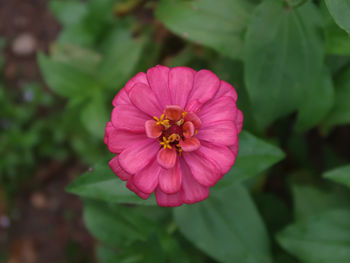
175	133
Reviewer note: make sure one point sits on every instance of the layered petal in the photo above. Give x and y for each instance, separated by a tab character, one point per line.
158	79
147	179
192	191
239	121
170	180
180	84
173	112
188	129
226	89
117	169
130	184
152	129
192	117
204	171
205	85
128	117
190	144
145	100
164	199
167	158
222	109
122	97
220	155
122	139
220	132
108	130
134	158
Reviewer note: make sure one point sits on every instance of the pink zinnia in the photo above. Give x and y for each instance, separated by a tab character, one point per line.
175	133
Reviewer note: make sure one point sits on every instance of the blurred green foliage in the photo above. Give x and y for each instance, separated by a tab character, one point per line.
289	61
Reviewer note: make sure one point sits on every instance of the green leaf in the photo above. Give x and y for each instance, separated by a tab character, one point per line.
283	58
340	175
310	114
323	238
120	56
116	225
102	184
64	78
68	13
94	115
340	113
340	10
226	226
254	156
219	26
309	200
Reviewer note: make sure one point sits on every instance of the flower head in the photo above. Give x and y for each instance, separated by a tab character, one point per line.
175	133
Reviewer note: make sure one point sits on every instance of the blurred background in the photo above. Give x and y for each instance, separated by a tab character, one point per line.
61	64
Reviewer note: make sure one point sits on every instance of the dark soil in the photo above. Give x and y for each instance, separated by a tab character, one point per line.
43	223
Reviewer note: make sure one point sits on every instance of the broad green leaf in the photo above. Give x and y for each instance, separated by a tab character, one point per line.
309	200
337	40
119	58
312	111
216	25
254	156
65	79
116	225
340	175
340	10
340	113
94	115
226	226
323	238
102	184
283	58
68	13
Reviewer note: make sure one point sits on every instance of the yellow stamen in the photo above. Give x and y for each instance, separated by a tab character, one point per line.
183	114
166	143
174	137
195	132
179	149
162	121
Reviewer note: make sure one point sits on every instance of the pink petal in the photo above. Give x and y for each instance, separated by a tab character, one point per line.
167	158
180	84
147	179
239	121
158	79
234	148
152	129
205	85
220	132
117	169
193	106
220	155
144	99
128	117
122	96
190	144
108	130
130	184
170	179
192	191
222	109
192	117
122	139
203	170
188	129
133	159
164	199
173	112
226	89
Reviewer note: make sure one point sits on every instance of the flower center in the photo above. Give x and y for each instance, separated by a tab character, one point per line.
175	128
